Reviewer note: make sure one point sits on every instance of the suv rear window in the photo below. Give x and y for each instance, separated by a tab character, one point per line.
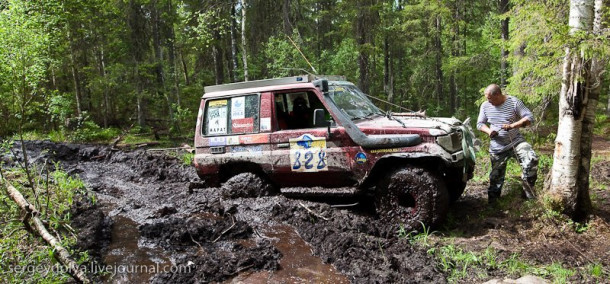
235	115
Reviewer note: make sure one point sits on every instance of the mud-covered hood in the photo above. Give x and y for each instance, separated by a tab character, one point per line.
441	123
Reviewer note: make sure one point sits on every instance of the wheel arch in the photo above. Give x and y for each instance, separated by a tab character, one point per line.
390	163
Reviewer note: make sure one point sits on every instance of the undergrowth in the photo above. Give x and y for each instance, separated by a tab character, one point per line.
25	257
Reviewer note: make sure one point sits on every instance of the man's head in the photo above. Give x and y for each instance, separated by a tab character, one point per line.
300	105
494	95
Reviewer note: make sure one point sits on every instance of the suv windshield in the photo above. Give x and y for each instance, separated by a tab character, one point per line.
352	101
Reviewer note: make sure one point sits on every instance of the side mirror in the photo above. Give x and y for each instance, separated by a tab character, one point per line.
319	120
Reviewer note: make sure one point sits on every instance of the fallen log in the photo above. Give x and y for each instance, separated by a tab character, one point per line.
138	145
61	254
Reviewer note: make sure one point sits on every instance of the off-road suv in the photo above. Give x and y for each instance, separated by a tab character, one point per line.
322	136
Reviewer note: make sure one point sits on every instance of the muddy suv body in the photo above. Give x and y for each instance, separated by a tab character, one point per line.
313	136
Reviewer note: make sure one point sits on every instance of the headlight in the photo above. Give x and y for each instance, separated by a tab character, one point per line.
451	142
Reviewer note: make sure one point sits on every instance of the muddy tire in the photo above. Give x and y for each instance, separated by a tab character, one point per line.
412	196
247	185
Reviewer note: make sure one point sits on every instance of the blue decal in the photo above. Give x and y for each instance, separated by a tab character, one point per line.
360	158
306	142
218	141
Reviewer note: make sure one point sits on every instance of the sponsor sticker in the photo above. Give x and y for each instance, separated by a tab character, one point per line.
360	158
390	150
242	125
254	139
308	154
266	124
217	117
218	141
238	108
232	140
247	150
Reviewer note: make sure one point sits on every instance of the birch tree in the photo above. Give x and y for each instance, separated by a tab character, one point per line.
244	42
570	172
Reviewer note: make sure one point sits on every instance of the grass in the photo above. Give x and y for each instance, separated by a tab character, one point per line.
25	257
467	265
96	134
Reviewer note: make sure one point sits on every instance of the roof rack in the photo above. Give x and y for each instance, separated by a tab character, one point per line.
271	82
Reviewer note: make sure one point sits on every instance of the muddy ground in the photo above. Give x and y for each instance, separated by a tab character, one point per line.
151	210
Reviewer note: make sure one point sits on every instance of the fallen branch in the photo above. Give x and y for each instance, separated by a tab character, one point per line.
138	145
61	254
313	213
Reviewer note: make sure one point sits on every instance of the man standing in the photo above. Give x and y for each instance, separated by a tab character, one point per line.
505	115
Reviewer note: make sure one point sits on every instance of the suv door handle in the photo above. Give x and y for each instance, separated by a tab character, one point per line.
283	145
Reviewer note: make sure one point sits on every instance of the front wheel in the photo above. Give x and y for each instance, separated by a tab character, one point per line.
412	196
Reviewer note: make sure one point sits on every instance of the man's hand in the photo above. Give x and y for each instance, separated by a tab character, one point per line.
493	133
508	126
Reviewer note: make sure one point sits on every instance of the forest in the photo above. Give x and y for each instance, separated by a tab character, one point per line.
84	65
78	77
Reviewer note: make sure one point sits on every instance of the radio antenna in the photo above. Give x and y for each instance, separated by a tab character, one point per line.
295	46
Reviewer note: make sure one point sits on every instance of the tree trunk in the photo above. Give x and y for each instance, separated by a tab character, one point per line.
233	43
588	123
244	43
106	99
567	189
387	87
362	38
504	29
439	63
608	107
139	99
217	55
156	26
286	17
185	70
75	77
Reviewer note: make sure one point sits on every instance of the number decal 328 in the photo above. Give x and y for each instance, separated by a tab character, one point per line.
310	160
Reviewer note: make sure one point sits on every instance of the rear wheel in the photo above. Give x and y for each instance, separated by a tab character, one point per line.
412	196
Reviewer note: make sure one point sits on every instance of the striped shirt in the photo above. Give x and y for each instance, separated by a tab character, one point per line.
510	111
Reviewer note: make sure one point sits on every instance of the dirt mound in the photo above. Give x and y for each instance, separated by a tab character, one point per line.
359	245
93	226
179	232
211	265
246	185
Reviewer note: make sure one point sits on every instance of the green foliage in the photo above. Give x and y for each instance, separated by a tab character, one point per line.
87	131
23	61
187	159
25	257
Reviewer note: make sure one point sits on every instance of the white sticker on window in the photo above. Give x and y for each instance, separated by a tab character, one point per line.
265	123
217	117
238	108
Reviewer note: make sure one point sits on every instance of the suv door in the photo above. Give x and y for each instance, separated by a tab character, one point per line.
305	155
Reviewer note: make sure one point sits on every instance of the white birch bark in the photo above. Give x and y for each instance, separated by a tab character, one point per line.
244	43
565	186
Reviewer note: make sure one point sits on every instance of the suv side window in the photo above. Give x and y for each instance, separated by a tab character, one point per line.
235	115
295	110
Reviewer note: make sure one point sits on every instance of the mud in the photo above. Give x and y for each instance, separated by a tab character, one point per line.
152	210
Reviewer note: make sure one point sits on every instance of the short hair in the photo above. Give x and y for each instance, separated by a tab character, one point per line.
493	89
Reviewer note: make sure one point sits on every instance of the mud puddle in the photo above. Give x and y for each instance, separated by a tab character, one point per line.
297	265
131	262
